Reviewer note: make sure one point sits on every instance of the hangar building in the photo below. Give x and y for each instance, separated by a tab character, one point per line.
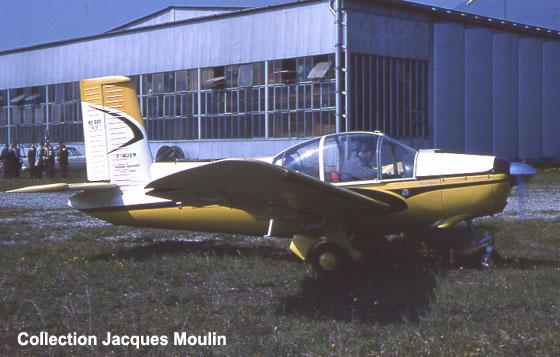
245	82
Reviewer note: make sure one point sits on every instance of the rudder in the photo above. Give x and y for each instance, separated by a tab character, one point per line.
116	144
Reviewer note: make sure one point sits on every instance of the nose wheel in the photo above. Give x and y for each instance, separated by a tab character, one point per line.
485	241
328	259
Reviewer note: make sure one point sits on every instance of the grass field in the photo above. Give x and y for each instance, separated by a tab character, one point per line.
413	299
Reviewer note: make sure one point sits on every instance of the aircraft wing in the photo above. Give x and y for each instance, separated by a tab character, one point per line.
269	191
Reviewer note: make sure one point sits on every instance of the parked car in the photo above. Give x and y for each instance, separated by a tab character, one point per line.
76	160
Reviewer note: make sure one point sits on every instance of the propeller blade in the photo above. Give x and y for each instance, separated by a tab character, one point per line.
521	173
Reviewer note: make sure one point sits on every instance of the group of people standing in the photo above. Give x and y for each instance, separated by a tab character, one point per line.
40	159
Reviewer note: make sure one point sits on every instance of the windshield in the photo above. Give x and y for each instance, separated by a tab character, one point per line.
302	158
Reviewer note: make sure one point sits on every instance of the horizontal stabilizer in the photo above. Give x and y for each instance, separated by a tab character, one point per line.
59	187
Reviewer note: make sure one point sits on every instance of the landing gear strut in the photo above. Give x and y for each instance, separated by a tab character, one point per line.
486	241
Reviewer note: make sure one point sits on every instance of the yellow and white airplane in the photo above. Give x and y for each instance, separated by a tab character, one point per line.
334	196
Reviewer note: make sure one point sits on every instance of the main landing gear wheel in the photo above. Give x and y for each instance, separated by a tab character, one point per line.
486	242
329	259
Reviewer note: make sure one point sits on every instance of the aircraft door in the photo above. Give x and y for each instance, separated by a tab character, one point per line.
397	161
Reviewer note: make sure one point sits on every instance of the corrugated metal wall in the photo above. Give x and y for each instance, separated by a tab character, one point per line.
496	93
374	32
299	30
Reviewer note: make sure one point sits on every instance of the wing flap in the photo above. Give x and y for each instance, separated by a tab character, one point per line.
266	190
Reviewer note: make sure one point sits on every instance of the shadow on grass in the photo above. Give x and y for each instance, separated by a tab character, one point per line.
394	285
212	248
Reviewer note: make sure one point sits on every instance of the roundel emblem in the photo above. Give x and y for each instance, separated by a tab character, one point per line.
405	192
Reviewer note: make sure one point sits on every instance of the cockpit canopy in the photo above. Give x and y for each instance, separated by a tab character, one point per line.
350	157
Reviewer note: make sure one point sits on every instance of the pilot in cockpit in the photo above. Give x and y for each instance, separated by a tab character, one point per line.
361	164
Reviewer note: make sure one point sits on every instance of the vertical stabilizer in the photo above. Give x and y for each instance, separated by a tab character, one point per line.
116	143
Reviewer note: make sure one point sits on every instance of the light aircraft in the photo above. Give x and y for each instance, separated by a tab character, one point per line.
335	196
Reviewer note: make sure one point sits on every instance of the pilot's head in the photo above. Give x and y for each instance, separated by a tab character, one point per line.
365	151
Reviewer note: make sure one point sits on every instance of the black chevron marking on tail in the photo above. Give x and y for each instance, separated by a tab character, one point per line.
135	131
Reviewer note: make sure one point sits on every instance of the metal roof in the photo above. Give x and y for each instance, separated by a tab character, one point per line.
170	8
430	11
241	12
472	19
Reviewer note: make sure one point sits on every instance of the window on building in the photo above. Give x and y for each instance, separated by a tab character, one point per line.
213	78
232	102
157	83
320	71
181	81
135	82
304	108
17	96
245	74
59	93
282	71
169	82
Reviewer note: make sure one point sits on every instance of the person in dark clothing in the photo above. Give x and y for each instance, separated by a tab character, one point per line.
63	160
360	166
39	162
16	161
48	158
4	156
12	160
31	154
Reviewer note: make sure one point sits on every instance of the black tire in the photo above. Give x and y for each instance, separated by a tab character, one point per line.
328	259
163	154
169	154
178	152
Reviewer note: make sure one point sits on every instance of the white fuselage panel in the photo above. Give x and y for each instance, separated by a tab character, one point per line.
444	164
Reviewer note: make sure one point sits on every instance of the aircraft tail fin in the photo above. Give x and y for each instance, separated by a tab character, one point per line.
116	144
